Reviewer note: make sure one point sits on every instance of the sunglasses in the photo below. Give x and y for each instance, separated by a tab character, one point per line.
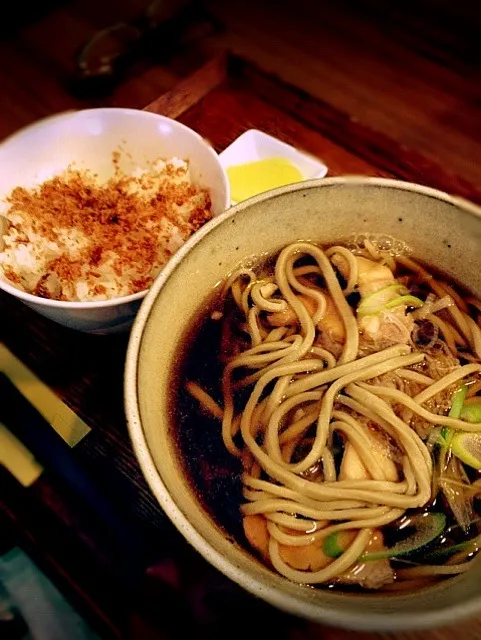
106	58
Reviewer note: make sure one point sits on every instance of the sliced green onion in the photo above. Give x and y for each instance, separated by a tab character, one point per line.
471	412
459	397
435	436
381	296
391	288
471	545
467	447
336	543
408	301
427	527
331	546
453	527
446	433
401	301
458	500
467	545
455	412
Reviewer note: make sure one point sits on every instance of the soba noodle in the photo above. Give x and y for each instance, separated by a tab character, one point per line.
332	407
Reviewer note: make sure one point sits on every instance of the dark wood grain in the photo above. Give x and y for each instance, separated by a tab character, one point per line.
363	141
220	101
191	90
409	70
34	519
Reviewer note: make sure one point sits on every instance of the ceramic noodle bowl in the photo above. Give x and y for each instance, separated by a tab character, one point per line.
441	230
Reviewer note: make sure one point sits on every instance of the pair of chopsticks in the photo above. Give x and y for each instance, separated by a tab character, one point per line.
138	564
49	448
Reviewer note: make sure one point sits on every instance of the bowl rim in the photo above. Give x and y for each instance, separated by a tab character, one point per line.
52	121
351	619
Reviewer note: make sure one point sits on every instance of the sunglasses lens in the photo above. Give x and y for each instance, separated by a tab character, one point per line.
99	54
159	11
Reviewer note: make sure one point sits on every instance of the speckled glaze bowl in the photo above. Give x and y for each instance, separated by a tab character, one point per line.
442	230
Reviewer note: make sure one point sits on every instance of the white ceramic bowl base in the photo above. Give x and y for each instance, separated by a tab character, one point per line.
86	140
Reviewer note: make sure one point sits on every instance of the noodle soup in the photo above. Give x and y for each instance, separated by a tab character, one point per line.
327	412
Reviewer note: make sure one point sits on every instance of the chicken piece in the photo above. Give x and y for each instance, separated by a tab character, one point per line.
331	324
255	529
385	329
331	330
370	575
288	315
352	467
372	275
309	557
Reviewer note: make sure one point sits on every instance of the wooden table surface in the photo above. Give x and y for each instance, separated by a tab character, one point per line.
357	123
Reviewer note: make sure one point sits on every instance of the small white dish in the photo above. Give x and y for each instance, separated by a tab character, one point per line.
255	145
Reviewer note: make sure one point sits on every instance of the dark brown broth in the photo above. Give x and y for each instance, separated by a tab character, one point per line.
214	474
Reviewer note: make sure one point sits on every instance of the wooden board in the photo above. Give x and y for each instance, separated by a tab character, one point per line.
220	101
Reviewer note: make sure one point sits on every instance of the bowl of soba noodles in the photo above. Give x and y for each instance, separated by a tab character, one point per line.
303	394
